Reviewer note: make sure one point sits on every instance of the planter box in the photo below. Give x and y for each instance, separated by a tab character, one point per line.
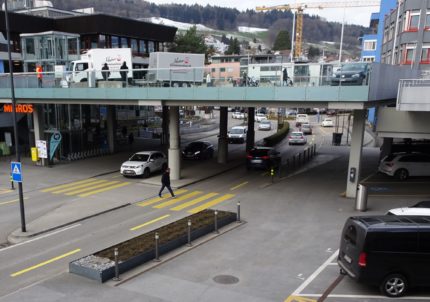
107	269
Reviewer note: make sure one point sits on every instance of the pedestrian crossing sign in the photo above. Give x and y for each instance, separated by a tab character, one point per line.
16	172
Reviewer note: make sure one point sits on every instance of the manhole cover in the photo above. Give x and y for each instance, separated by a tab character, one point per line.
226	279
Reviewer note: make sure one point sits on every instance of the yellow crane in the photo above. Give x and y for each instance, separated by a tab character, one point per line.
300	7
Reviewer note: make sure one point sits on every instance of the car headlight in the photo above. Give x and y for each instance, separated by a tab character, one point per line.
357	75
197	152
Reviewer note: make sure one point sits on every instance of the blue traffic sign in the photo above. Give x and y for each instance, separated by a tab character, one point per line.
16	172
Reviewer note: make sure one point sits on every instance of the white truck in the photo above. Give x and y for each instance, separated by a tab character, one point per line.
176	69
92	62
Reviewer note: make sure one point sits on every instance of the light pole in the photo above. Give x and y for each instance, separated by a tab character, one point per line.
15	127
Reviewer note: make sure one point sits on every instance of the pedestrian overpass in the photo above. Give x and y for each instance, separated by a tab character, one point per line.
380	89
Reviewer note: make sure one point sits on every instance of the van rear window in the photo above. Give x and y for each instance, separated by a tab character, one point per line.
351	235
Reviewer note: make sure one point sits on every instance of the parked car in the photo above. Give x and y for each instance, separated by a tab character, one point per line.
144	163
404	165
297	137
389	251
265	125
198	150
327	122
262	158
237	134
238	115
421	208
306	128
291	113
350	74
259	117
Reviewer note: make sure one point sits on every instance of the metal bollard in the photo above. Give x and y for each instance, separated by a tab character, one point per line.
115	253
189	232
238	212
309	153
294	162
299	161
12	186
157	256
272	173
216	221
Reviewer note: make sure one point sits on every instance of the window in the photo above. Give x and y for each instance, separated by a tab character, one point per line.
142	47
351	235
81	66
213	69
414	20
397	242
222	69
102	41
425	54
369	59
124	42
133	44
386	35
115	42
409	54
427	25
151	46
369	45
391	32
72	46
29	46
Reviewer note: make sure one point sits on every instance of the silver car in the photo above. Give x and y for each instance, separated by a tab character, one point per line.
297	138
265	125
404	165
144	163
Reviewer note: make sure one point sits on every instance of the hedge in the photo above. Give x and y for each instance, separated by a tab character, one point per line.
272	140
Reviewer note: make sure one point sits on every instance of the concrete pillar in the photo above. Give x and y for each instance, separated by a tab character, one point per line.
165	126
174	146
353	177
111	120
223	139
250	136
386	147
39	127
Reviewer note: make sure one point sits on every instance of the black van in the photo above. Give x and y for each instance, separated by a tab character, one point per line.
392	252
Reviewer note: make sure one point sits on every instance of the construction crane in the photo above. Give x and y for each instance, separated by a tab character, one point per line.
298	22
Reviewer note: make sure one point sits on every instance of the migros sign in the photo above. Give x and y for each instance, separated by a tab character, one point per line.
20	108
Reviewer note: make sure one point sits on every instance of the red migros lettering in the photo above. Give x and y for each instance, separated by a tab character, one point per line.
20	108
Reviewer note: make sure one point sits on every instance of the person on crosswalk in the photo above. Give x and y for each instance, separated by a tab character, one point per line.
165	182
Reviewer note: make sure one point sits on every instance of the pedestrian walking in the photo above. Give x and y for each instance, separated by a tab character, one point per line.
39	72
105	72
165	182
123	72
285	77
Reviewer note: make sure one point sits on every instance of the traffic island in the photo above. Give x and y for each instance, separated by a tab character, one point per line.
100	266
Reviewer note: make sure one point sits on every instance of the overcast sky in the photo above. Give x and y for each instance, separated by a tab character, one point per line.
359	16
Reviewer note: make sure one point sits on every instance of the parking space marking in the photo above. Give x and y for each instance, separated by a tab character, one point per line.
299	299
177	200
157	199
239	186
45	263
211	203
400	195
149	222
194	201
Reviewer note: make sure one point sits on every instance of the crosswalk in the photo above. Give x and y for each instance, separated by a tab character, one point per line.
5	191
86	187
185	200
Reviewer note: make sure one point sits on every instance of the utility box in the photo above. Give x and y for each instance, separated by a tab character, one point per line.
34	155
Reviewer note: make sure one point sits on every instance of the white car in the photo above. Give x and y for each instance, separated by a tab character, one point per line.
327	122
422	208
237	134
260	117
238	115
404	165
144	163
265	125
297	137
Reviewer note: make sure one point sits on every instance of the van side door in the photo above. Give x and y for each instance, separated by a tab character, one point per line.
424	255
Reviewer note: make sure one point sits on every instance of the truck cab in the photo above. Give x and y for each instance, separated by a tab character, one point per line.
78	71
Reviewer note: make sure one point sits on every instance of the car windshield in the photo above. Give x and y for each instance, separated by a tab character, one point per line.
265	122
328	120
259	152
353	67
139	157
194	146
236	131
296	134
306	126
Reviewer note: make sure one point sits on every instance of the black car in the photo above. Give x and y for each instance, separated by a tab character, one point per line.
198	150
262	158
350	74
392	252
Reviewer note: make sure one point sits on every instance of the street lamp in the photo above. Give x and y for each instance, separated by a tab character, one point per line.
15	127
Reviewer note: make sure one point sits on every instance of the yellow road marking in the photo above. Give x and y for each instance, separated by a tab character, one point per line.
176	200
67	185
193	202
79	186
11	201
149	222
238	186
211	203
104	189
4	191
299	299
157	199
117	176
44	263
100	185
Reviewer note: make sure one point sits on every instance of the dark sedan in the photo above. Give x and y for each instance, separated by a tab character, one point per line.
350	74
262	158
198	150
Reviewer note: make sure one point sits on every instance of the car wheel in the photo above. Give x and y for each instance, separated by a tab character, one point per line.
402	174
394	285
146	173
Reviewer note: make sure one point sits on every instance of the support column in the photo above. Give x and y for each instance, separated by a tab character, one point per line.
222	138
165	126
250	135
354	166
386	147
111	119
174	146
39	127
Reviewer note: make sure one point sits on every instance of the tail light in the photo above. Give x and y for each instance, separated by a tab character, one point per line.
362	261
265	157
249	156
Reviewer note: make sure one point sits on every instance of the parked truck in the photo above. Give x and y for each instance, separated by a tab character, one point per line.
92	62
176	69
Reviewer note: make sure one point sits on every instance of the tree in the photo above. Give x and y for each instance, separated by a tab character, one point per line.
190	42
282	41
233	47
313	52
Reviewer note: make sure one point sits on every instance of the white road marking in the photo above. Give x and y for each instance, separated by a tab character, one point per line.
41	237
364	297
